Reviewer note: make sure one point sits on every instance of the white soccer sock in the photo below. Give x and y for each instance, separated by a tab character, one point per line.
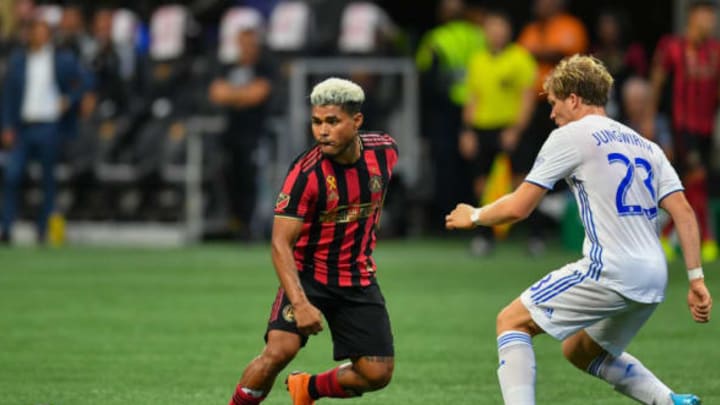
253	393
516	371
630	377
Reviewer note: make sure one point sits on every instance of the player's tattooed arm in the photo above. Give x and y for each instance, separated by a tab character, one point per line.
308	318
284	234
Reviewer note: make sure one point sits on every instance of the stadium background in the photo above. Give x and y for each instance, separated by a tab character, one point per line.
131	169
150	324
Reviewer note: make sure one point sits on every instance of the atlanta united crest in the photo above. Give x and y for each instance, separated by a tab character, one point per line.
282	201
375	184
288	314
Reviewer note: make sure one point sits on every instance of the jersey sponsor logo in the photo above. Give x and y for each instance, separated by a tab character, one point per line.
288	314
283	200
350	213
375	183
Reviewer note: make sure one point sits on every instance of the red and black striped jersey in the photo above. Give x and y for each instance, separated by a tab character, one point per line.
695	72
340	207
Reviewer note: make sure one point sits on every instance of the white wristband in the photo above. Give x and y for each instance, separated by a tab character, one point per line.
696	273
475	216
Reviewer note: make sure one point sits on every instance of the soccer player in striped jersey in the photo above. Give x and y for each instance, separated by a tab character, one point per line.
597	304
322	242
691	61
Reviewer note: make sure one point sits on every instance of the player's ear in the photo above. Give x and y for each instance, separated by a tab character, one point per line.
358	120
575	100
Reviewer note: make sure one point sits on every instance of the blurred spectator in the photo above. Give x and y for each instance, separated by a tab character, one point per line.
233	21
291	25
15	17
640	114
110	90
442	58
51	14
170	26
499	106
305	27
41	91
243	90
125	29
169	63
692	61
553	35
622	57
326	19
72	34
263	6
7	19
366	29
16	25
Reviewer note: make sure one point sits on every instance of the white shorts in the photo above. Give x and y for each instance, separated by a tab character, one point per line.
566	301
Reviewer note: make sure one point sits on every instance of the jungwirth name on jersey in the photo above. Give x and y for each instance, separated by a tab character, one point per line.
610	135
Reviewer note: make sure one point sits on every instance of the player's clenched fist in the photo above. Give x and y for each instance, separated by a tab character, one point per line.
460	217
699	301
308	318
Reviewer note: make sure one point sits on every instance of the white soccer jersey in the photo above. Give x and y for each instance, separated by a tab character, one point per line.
618	179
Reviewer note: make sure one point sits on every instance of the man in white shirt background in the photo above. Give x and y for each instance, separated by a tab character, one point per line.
41	90
596	305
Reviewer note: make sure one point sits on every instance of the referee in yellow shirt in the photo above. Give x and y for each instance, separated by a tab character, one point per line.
501	100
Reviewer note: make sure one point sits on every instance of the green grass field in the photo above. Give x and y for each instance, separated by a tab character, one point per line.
131	326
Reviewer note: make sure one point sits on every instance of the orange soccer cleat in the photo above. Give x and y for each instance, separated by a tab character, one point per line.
297	384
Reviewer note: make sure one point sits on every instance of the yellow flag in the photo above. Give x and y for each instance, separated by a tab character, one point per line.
499	183
56	229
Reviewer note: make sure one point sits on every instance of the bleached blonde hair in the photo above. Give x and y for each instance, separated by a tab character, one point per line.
334	91
583	75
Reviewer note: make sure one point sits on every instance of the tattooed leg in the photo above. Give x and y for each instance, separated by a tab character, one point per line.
365	374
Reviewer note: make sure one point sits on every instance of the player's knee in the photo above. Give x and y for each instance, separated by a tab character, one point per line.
580	350
378	377
380	380
516	318
277	357
569	351
575	357
504	321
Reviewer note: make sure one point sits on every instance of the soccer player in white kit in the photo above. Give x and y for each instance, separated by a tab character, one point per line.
596	305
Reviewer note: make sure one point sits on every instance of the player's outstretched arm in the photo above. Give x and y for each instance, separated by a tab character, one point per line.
284	234
509	208
699	298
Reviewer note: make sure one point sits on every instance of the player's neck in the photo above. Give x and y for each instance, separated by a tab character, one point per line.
586	110
351	154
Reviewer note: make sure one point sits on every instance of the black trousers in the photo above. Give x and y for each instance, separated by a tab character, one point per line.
240	175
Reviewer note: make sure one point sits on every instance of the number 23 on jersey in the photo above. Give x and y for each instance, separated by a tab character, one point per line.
625	208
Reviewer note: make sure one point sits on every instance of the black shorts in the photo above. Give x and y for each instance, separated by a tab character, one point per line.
356	316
